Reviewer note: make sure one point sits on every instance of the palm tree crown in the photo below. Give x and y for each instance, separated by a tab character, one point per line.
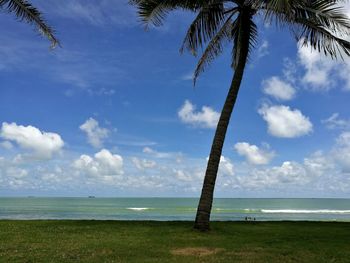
25	11
322	24
319	23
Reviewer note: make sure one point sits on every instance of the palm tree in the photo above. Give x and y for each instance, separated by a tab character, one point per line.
322	24
25	11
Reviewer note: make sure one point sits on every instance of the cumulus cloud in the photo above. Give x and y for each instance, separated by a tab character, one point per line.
206	118
253	153
143	164
278	88
318	164
288	173
317	68
326	172
335	122
94	132
103	166
43	144
284	122
321	71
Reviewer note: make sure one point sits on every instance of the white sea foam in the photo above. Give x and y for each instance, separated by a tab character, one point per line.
249	210
297	211
138	208
238	210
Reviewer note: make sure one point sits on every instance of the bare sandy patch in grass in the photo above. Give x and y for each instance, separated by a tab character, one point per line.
247	253
196	251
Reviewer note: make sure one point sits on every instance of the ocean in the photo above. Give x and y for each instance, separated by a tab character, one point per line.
164	209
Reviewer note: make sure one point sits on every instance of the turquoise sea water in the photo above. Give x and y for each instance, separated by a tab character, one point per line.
173	209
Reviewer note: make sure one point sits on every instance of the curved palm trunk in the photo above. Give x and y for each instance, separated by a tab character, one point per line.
206	199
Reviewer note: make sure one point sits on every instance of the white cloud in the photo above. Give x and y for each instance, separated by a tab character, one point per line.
148	150
318	68
183	176
104	166
284	122
161	155
143	164
12	177
289	70
16	173
253	154
320	72
289	173
263	50
334	122
344	139
206	118
341	151
319	172
278	88
318	164
43	144
226	166
188	76
94	132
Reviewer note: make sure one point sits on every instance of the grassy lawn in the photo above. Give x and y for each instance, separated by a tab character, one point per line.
117	241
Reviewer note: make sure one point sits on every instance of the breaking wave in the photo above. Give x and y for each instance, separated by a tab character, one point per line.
138	208
297	211
281	211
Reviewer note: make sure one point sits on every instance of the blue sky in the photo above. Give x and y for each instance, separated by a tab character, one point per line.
114	112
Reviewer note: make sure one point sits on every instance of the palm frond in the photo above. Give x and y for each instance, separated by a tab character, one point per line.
27	12
244	25
321	23
322	40
205	26
155	11
214	47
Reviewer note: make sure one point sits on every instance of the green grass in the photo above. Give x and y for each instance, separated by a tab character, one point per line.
139	242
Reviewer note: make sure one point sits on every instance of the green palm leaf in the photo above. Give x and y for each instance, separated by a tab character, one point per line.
27	12
319	23
214	47
205	26
155	11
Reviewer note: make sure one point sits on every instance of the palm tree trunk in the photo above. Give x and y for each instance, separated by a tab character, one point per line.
206	199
